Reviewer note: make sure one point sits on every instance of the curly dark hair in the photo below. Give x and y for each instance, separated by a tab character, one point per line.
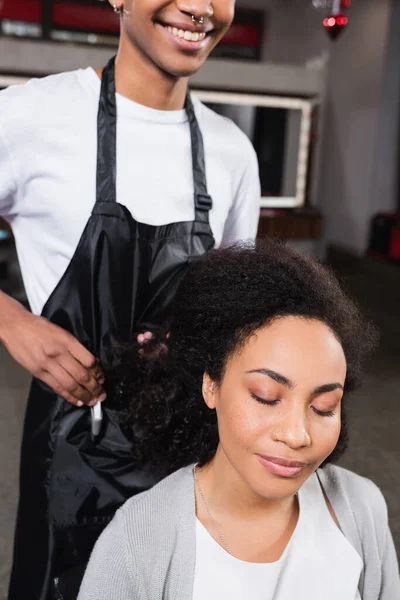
223	299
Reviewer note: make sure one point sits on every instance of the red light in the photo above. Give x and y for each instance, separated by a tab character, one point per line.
335	24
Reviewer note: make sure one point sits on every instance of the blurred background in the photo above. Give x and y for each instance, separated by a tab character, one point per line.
315	84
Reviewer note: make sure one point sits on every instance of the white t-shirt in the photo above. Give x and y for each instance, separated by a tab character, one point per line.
48	146
318	563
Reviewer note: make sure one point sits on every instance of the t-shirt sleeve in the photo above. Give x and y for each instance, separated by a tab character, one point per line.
8	181
242	221
107	576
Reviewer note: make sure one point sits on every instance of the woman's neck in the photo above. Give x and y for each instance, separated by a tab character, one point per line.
229	493
255	529
143	82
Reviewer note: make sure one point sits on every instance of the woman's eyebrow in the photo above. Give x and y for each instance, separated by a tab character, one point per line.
275	376
321	389
328	387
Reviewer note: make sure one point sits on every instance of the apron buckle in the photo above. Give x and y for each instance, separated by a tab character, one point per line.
203	201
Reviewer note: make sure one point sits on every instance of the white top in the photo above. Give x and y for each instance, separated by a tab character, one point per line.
318	563
48	147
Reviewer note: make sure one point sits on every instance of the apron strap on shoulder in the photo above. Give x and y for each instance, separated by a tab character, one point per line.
107	137
202	198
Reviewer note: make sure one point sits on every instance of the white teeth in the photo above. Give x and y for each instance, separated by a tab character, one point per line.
189	36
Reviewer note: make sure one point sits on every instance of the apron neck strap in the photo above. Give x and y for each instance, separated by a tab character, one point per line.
202	199
107	137
107	145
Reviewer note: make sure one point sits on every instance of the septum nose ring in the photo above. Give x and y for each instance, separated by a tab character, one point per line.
200	20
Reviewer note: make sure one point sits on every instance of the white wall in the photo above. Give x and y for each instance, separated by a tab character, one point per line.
254	3
348	189
359	136
385	190
295	33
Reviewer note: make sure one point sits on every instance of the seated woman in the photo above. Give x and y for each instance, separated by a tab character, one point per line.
248	404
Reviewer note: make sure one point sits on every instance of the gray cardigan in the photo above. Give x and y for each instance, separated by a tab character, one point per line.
148	551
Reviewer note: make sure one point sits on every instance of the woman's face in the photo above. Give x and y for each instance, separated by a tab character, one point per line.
278	405
163	31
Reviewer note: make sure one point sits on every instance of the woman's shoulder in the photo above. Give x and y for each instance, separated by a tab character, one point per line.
362	513
349	492
149	539
170	500
353	485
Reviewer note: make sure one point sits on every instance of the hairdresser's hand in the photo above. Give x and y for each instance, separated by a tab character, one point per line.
150	350
52	355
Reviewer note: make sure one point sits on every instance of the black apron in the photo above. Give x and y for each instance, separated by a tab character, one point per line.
122	274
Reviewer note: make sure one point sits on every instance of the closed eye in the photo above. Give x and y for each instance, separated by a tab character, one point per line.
263	401
321	413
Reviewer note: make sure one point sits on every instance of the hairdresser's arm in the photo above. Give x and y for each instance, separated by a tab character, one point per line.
49	353
45	350
243	217
108	576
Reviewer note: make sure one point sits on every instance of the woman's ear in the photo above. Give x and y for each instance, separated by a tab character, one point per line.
209	391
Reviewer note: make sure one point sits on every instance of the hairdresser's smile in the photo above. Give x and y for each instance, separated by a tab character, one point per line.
177	36
180	34
186	39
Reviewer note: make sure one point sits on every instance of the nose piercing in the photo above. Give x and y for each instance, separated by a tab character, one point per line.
200	20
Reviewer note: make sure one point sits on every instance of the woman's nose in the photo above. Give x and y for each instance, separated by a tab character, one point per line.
292	430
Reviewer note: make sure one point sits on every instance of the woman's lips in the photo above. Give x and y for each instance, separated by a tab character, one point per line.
281	466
